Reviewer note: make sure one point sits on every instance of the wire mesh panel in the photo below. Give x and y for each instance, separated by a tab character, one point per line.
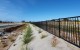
69	30
56	27
43	25
50	26
78	34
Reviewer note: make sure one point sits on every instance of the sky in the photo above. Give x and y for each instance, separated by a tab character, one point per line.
38	10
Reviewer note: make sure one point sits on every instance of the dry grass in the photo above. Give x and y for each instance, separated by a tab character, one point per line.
5	43
54	41
43	36
11	38
40	31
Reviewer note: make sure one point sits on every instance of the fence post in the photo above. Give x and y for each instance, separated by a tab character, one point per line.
59	27
78	30
46	25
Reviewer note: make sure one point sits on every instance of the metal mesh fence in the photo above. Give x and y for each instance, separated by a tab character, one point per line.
65	28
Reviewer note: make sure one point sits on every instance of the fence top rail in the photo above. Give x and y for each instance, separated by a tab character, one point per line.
57	19
71	17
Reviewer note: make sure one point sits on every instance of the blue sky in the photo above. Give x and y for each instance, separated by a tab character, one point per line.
37	10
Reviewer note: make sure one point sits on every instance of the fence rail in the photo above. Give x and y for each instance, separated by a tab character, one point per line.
65	28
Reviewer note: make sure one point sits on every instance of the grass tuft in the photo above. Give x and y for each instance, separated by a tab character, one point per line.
54	41
27	36
40	31
43	36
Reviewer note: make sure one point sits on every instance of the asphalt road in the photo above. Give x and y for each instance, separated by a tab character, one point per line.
8	25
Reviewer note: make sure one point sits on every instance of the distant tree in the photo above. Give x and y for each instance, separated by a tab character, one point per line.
0	21
23	21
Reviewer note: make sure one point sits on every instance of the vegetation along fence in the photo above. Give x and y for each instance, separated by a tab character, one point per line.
65	28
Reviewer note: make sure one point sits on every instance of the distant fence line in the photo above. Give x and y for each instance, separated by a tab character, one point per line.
65	28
